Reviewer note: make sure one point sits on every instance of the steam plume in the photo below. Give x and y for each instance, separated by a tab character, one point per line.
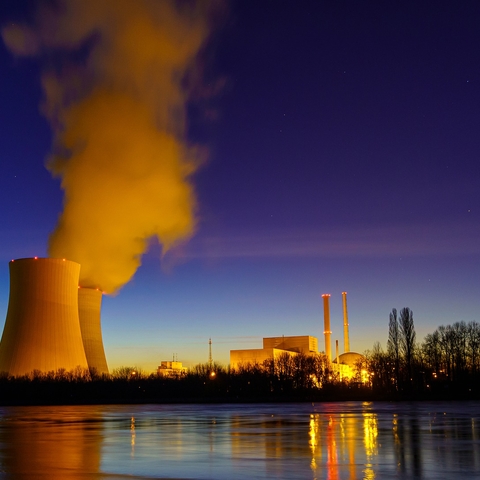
115	96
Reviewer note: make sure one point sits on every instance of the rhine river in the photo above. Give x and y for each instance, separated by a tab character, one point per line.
334	441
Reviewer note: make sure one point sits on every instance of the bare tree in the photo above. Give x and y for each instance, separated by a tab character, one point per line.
473	335
407	340
393	345
432	352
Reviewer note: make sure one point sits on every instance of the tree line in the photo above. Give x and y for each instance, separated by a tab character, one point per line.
446	364
447	360
288	377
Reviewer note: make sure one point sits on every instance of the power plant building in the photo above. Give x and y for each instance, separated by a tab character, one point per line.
345	364
171	369
51	324
42	328
273	347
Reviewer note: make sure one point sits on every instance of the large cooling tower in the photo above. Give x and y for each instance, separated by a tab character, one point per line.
89	306
42	329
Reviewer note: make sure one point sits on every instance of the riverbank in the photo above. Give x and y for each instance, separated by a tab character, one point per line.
157	390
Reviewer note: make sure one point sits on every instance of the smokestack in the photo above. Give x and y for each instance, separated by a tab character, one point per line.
346	344
326	321
336	352
42	328
89	306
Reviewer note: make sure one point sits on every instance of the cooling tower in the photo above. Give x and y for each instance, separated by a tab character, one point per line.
326	320
346	340
89	306
42	329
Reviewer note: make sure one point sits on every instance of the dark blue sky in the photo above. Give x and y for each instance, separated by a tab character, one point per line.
343	156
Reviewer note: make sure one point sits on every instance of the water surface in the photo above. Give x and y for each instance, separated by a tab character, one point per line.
332	441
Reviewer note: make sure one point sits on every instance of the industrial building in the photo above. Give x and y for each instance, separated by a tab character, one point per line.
171	369
51	324
273	347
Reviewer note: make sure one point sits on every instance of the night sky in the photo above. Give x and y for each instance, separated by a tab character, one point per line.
343	156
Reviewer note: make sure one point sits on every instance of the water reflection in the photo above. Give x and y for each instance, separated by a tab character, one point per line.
342	441
50	446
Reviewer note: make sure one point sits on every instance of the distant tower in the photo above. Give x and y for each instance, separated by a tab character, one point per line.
89	306
42	328
346	344
326	320
210	361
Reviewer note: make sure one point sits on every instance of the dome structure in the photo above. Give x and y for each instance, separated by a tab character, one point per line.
350	358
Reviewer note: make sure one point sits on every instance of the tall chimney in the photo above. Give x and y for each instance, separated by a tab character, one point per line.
346	344
326	322
89	306
42	328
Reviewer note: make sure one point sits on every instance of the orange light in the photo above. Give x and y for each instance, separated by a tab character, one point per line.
36	258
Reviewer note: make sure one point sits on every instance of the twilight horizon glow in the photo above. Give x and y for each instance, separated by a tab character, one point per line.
343	157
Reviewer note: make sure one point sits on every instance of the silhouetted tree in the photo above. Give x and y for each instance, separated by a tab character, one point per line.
379	363
432	352
393	345
407	341
473	339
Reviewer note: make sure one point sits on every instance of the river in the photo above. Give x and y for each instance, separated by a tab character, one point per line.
334	441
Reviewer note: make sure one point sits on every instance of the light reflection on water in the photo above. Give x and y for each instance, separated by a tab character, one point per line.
333	441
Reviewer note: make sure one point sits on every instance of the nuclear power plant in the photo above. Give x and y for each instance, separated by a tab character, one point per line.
273	347
51	323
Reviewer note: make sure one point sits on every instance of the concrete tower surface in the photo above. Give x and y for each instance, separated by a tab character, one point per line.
326	321
42	328
89	306
346	339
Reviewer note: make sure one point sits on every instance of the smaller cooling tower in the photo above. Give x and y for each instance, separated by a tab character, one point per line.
42	328
89	306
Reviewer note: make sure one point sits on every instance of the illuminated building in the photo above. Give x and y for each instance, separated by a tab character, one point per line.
51	323
171	369
346	364
273	347
42	328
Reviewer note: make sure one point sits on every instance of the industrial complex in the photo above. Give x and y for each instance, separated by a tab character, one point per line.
52	324
273	347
